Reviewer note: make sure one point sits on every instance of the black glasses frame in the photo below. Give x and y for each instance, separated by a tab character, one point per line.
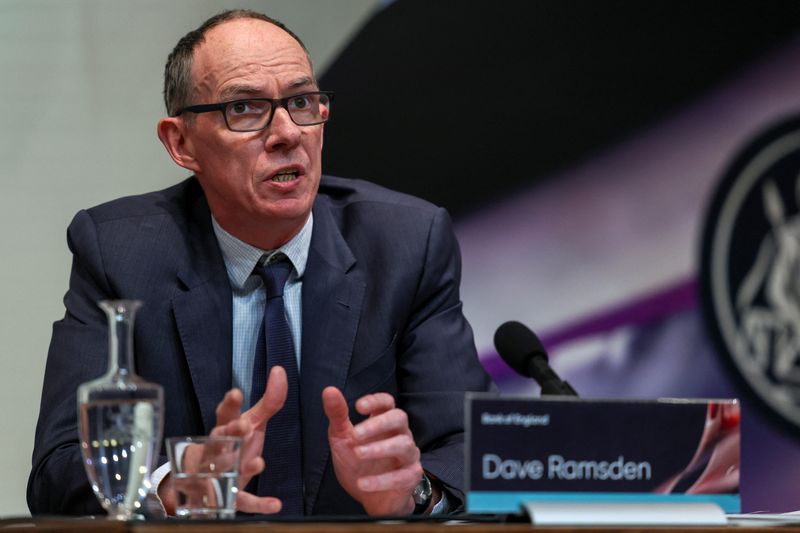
275	103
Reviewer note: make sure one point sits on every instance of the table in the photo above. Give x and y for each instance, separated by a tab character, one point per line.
47	525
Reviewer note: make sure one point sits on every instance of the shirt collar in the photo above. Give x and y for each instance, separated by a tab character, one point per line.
240	257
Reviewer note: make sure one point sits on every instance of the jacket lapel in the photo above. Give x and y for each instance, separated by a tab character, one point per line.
332	297
203	314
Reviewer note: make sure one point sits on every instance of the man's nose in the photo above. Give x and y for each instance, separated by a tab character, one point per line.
282	132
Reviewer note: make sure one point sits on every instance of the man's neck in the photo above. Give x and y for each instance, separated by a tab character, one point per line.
263	235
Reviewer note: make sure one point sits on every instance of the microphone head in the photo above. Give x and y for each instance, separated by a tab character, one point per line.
517	345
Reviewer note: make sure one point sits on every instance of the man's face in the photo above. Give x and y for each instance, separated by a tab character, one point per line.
255	182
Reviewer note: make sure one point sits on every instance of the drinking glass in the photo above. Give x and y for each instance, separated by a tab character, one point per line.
205	475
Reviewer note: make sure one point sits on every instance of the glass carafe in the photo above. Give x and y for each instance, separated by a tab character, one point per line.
120	420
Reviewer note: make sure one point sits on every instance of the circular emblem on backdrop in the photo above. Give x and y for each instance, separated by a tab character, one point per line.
750	272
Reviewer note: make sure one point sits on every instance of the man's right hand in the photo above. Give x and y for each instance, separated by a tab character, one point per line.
250	426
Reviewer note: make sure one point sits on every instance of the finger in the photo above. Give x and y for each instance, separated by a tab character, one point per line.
377	426
400	479
400	447
235	428
250	503
218	457
336	410
230	406
248	469
272	400
191	458
253	446
375	403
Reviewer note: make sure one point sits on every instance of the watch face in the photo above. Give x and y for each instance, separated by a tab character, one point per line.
423	492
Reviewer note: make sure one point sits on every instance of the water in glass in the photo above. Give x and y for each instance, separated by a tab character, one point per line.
206	495
120	422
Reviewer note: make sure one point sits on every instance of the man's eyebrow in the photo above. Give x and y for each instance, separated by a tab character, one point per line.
234	91
241	90
302	82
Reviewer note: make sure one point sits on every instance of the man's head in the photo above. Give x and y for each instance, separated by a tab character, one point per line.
178	70
260	185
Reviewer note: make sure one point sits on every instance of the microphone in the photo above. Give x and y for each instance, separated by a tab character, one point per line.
522	350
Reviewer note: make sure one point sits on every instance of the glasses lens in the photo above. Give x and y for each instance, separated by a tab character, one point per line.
248	115
308	109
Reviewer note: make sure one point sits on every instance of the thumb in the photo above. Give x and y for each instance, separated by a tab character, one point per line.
272	401
335	407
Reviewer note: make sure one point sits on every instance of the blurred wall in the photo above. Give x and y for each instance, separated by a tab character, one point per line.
80	95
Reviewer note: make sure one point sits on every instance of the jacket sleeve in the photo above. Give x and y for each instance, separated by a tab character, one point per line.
78	353
438	361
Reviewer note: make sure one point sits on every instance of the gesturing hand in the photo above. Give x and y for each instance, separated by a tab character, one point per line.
376	461
251	426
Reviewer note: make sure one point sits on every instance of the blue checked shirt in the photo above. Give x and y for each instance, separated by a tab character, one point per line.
249	297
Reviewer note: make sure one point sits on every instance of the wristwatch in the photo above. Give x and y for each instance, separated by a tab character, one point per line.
422	494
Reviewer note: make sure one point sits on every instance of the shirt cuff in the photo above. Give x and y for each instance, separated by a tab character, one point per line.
441	506
153	502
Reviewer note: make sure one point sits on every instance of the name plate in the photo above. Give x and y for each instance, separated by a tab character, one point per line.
563	449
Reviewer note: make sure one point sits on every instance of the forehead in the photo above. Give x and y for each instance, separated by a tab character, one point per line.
248	53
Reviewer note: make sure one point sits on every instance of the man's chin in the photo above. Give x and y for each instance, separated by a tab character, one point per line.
286	209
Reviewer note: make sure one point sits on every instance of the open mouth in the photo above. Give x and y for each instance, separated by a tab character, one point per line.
284	176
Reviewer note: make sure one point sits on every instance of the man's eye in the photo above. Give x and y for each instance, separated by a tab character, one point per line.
239	107
246	107
300	102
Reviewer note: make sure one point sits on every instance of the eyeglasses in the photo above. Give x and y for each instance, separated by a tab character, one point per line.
255	114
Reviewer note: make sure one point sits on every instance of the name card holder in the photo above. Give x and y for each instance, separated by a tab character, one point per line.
624	514
583	461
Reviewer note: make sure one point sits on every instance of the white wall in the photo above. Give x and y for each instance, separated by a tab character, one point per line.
80	95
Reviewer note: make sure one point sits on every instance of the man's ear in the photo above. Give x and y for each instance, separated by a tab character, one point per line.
172	133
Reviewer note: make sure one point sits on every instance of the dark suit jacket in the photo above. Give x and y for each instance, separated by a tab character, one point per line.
381	312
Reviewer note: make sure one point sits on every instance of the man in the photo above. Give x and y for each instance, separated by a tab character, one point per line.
372	300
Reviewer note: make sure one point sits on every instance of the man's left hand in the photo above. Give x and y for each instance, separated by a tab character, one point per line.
376	461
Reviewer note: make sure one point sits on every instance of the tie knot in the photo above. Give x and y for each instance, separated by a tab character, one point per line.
274	275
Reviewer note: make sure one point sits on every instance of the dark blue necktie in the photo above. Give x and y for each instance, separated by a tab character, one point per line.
283	450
